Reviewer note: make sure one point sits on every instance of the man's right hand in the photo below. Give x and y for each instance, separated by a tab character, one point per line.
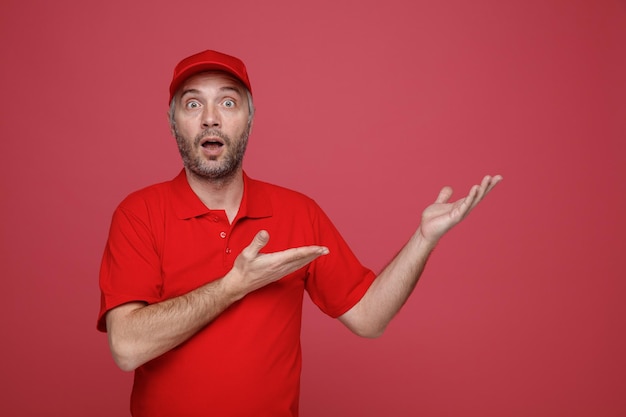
139	332
253	270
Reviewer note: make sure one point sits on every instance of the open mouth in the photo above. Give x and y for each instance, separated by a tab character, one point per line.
212	143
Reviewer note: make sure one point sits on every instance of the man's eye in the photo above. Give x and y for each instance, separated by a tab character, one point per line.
229	103
193	105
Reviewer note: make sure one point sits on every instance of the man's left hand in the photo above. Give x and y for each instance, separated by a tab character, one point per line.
441	216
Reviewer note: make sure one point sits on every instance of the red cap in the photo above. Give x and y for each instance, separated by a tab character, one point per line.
207	61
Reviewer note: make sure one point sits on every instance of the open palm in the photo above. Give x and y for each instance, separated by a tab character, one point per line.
441	216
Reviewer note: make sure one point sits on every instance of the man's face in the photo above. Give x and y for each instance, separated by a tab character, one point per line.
211	124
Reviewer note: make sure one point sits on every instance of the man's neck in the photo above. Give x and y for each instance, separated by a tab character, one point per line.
221	194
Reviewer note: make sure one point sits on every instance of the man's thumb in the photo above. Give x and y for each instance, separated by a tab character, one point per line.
259	241
444	195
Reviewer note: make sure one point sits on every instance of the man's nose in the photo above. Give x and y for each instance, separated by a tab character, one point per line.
210	117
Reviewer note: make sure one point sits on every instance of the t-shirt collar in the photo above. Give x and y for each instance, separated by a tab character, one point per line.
255	203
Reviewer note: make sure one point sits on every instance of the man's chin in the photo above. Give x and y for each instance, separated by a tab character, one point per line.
214	173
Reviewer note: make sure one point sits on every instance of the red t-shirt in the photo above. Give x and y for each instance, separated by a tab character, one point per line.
165	242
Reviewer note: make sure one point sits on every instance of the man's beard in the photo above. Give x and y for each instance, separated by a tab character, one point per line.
197	165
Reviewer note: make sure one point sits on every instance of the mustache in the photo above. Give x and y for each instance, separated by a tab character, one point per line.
213	133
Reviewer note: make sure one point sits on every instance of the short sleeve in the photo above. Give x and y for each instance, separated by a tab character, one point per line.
130	269
337	281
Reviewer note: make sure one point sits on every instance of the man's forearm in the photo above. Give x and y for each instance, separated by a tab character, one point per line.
139	333
388	293
370	316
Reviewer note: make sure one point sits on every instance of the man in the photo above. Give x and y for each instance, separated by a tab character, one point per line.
203	276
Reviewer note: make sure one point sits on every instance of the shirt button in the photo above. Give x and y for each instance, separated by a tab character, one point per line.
227	250
222	235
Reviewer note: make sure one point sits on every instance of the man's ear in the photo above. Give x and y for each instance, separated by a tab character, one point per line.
171	122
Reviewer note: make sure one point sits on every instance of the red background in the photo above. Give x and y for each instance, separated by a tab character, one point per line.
369	107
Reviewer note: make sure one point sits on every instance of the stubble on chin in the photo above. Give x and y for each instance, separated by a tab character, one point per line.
196	164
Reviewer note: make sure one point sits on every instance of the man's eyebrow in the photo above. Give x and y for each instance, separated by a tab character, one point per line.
225	88
189	91
232	88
